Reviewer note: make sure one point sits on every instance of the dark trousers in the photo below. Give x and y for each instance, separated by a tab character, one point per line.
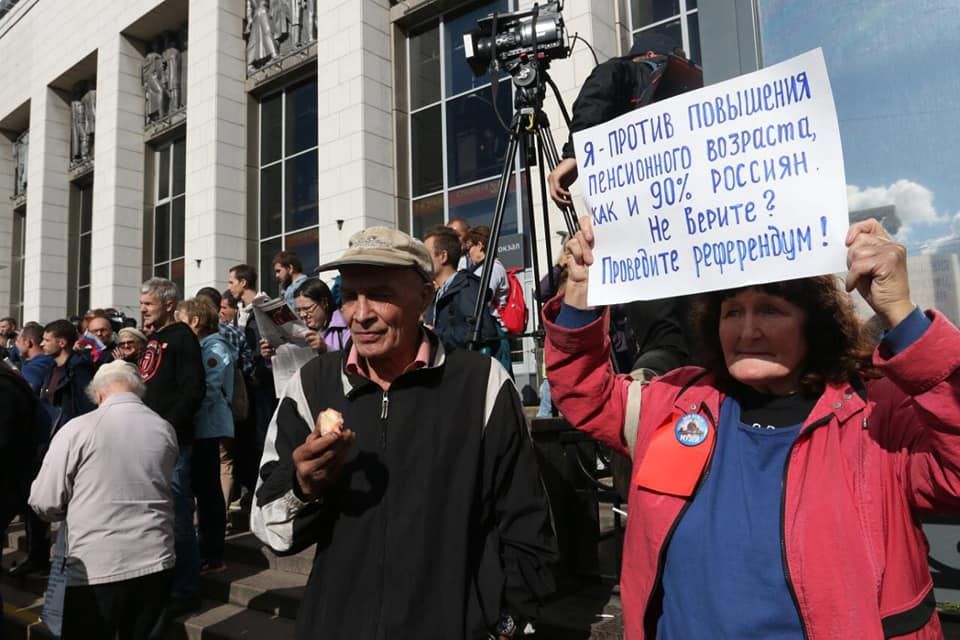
128	609
211	510
38	537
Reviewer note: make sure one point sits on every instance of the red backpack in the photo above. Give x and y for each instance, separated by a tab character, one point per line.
514	313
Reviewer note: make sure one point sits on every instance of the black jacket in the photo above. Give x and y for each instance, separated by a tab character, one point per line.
172	368
70	392
451	313
438	522
613	88
18	444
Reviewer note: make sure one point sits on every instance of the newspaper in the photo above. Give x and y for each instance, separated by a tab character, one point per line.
286	362
277	323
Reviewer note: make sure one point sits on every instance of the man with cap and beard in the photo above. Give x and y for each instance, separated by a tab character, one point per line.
410	468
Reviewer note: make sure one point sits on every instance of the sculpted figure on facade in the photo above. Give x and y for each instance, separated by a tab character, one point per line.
261	44
152	79
172	73
274	28
21	149
83	119
308	21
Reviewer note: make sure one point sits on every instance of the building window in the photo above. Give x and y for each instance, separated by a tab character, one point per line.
17	262
289	200
169	211
458	127
83	245
678	19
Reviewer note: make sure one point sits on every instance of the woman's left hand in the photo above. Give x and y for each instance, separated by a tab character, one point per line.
877	268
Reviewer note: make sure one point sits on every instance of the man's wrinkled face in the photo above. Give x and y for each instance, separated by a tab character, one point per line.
382	308
154	311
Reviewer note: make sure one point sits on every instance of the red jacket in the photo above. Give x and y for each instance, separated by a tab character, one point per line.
865	464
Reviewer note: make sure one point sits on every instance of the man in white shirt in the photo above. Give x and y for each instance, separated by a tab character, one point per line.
107	476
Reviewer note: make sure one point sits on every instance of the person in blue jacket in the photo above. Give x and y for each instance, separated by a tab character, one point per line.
213	421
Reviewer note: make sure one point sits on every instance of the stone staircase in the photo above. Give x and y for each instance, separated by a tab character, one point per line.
258	595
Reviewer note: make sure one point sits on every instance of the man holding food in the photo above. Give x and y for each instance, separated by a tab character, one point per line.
410	468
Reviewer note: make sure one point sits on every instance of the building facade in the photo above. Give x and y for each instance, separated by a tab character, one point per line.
178	138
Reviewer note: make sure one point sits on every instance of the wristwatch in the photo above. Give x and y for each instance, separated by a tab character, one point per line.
506	626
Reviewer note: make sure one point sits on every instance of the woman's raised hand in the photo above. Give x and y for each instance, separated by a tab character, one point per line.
579	252
877	268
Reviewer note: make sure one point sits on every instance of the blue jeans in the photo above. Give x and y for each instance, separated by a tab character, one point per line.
186	573
546	402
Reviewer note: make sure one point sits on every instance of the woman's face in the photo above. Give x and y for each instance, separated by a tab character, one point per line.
477	253
312	313
763	341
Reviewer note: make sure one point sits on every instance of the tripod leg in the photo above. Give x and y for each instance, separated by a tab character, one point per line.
508	161
553	159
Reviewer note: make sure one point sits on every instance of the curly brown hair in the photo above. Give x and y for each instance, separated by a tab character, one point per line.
837	348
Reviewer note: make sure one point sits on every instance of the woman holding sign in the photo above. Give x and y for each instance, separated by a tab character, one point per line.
776	493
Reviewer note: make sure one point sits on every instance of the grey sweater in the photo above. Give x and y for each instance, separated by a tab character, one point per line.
107	473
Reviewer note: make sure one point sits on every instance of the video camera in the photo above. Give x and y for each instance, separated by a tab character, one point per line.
507	40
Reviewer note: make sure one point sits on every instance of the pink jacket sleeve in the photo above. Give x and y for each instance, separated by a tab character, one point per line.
582	382
925	422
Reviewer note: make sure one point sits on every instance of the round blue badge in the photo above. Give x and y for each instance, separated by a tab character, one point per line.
691	429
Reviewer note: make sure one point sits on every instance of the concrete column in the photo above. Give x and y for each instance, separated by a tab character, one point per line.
118	179
48	191
216	150
6	223
357	183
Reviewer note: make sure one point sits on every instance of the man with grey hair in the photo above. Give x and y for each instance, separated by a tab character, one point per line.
107	475
408	467
172	370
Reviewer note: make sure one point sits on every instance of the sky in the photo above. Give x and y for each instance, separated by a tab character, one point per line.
893	72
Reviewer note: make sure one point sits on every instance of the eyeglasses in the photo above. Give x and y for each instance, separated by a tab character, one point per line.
127	344
305	311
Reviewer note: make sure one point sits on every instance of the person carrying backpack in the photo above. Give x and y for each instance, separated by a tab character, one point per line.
478	239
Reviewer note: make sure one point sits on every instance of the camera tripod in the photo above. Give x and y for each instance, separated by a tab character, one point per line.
529	128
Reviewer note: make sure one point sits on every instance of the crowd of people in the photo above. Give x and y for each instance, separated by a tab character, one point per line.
775	490
201	367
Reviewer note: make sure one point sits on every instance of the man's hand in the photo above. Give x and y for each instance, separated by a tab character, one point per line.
319	459
560	180
579	252
877	268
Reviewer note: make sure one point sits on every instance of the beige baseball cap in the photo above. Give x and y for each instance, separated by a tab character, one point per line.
384	247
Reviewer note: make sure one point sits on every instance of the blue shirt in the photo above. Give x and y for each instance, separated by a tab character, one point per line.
290	293
723	575
35	369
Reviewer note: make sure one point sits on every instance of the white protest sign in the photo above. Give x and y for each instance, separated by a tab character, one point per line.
733	184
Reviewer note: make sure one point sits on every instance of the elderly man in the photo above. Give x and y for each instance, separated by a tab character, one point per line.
410	468
172	369
107	474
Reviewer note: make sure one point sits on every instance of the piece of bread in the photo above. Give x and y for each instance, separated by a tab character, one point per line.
330	420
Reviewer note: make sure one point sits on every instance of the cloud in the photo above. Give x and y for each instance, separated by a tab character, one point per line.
913	202
946	244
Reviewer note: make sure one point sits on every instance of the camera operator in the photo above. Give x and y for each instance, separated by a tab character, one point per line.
612	89
654	329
